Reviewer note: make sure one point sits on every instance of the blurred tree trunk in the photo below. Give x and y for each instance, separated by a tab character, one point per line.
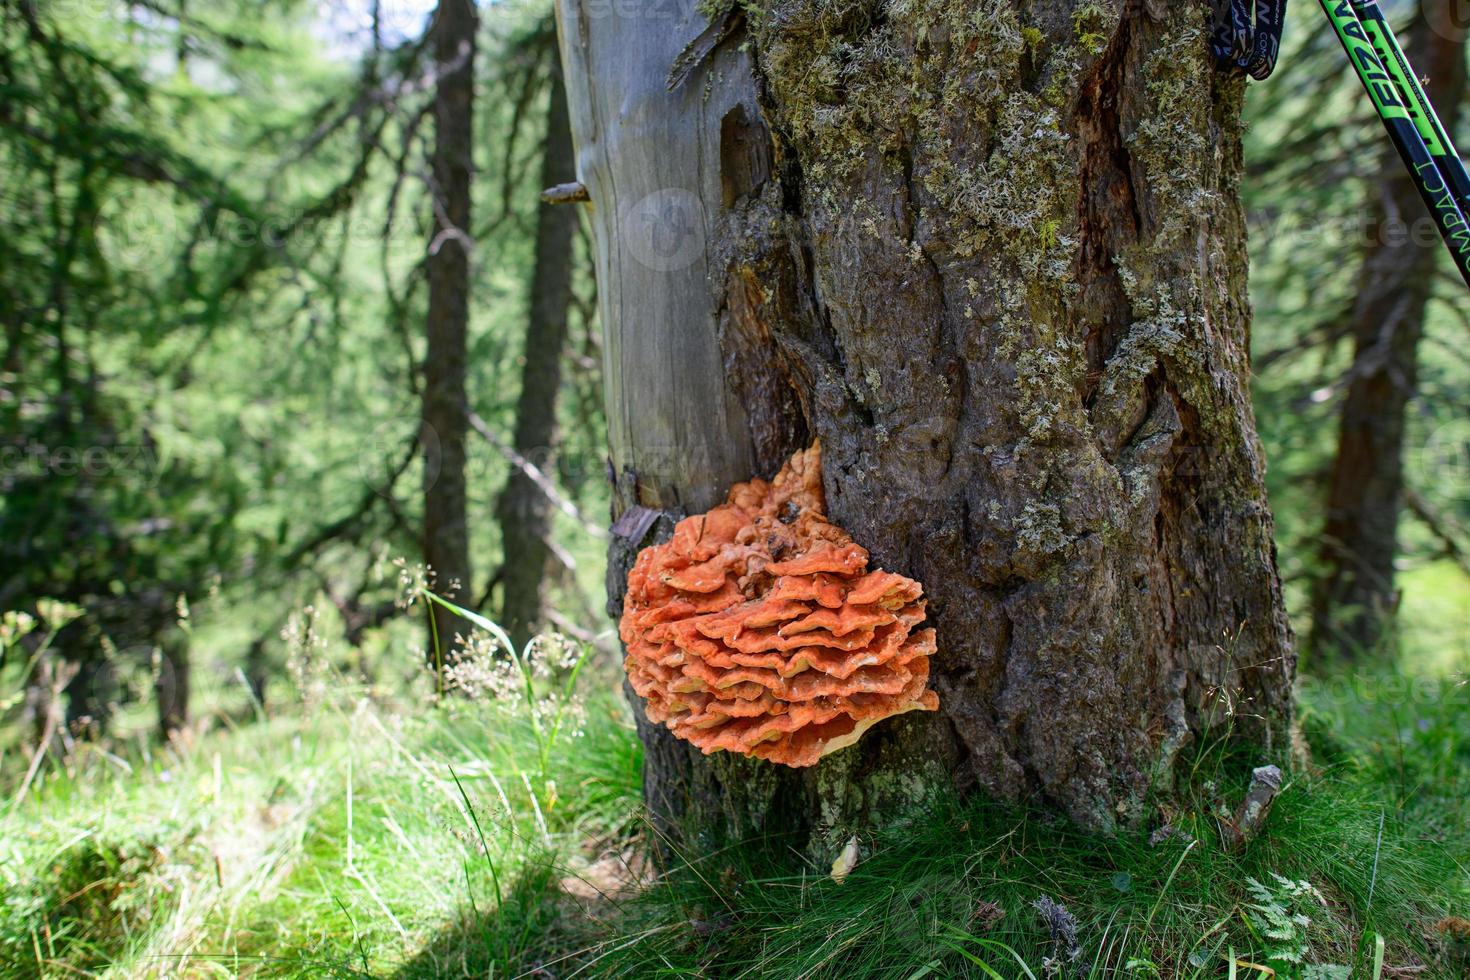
43	712
257	670
172	687
90	695
1354	599
523	511
445	420
996	262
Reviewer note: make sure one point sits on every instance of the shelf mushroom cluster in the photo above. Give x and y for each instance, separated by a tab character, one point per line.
758	628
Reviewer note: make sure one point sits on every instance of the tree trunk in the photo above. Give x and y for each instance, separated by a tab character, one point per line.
91	696
1354	599
993	257
257	671
172	686
523	510
445	422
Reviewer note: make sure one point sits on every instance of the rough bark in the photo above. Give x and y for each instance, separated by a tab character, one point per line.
523	510
445	424
993	256
1354	598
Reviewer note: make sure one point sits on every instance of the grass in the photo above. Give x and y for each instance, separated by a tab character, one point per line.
1436	596
958	893
336	840
352	835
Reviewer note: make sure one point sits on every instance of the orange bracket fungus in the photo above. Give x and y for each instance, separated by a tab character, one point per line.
758	628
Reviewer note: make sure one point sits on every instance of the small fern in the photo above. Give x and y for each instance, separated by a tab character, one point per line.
1278	915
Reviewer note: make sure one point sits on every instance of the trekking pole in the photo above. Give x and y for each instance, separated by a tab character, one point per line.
1421	110
1410	120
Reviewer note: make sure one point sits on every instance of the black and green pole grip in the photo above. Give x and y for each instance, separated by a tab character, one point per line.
1246	34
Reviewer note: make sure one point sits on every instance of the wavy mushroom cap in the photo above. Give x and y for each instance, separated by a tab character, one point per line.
758	628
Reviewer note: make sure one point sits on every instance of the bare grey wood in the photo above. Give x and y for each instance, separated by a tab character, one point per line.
568	193
676	432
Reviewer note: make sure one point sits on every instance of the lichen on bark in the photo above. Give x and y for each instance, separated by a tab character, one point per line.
1022	228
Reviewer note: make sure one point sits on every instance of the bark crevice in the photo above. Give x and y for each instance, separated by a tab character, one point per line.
1108	217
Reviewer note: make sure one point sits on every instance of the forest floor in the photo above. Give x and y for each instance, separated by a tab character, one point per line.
346	833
